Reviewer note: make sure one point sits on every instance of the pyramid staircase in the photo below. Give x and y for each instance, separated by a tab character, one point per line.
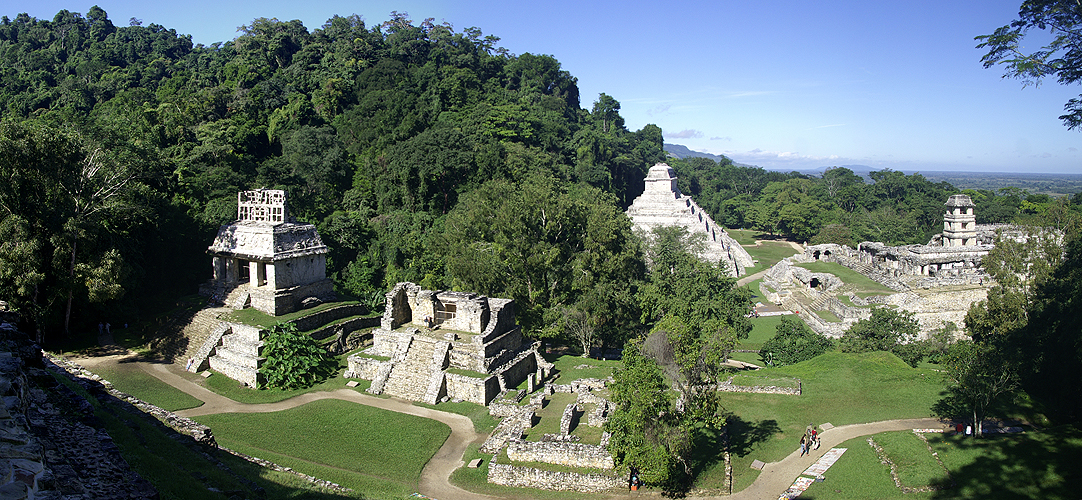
187	340
419	376
239	354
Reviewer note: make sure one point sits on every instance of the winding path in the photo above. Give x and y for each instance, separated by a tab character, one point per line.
435	477
774	479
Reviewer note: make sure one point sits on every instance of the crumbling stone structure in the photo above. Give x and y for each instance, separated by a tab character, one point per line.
436	345
937	282
661	204
267	260
558	449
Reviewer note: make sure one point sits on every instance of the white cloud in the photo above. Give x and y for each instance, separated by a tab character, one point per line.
730	139
659	109
685	134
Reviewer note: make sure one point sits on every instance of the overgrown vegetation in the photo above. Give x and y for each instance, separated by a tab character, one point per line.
294	360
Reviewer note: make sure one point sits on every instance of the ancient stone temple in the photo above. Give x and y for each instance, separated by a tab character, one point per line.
435	345
662	204
267	260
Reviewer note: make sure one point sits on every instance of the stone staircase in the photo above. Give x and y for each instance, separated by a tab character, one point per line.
419	376
239	298
185	343
240	354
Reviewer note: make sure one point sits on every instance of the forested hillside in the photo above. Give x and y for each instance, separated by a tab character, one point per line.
420	152
125	146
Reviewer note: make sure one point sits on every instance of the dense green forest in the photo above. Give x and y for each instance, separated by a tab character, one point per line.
421	154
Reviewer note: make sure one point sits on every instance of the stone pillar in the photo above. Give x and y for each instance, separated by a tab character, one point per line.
232	271
269	270
218	268
257	273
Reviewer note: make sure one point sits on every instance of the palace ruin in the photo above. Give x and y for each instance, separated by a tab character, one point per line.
662	205
937	282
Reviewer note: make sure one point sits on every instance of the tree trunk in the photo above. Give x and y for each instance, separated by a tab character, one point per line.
71	288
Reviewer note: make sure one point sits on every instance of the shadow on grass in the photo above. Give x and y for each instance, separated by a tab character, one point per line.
1037	464
745	435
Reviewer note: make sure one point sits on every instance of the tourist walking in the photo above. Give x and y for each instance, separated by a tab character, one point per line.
803	444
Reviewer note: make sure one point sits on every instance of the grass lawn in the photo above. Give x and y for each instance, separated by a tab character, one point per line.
146	387
769	253
567	368
179	472
744	236
375	451
762	329
838	388
755	379
828	316
1033	465
756	295
859	282
549	416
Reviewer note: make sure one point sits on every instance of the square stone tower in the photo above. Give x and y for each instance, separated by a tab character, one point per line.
959	223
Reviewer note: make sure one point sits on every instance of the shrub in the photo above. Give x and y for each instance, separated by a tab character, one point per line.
294	361
886	330
793	343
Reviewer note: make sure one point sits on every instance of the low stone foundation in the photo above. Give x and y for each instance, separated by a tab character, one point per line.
529	477
560	453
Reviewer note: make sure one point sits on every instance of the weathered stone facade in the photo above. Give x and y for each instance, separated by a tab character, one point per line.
425	333
267	260
529	477
662	204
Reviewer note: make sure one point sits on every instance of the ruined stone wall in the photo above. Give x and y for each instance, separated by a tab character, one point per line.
501	318
335	313
560	453
51	444
362	367
528	477
514	372
472	389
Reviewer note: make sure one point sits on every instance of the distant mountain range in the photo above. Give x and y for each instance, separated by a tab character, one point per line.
1055	184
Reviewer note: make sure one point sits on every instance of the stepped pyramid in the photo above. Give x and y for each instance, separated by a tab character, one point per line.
661	204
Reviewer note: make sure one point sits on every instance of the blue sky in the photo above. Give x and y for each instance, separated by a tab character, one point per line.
784	84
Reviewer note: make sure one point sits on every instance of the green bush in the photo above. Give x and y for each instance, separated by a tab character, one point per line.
794	342
294	361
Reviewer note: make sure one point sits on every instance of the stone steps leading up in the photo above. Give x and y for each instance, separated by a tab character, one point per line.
413	377
187	341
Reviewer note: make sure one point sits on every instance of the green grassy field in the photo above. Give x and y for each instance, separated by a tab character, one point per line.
837	388
857	282
769	253
367	449
1034	465
147	388
567	368
179	472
